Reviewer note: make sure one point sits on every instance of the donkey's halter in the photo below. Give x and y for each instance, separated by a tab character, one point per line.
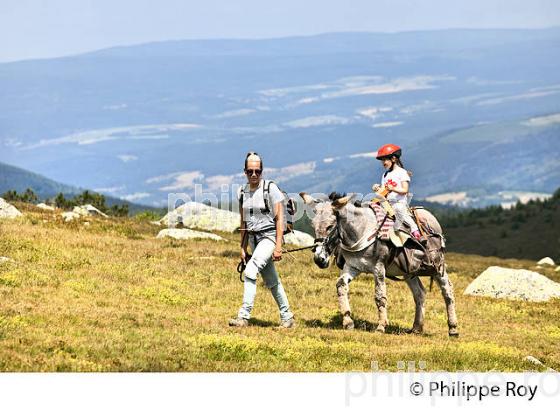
330	241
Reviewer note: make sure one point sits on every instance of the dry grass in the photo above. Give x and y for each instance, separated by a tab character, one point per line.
111	297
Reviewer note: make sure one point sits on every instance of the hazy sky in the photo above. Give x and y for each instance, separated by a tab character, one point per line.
47	28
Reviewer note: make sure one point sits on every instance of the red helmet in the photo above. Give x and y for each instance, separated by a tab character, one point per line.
388	150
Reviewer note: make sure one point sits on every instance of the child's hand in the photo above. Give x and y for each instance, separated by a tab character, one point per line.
376	187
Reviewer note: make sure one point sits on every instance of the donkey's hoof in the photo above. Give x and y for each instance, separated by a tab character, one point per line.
453	332
380	329
416	331
347	323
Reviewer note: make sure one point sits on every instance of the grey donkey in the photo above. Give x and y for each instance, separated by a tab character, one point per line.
360	250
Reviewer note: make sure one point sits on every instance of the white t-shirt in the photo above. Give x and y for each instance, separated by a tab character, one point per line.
253	204
394	179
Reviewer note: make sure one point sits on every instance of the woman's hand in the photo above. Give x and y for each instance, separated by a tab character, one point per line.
243	254
376	187
277	255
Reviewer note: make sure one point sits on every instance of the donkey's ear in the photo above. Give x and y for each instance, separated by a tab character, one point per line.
308	199
340	202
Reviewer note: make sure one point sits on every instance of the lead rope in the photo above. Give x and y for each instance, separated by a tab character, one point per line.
243	263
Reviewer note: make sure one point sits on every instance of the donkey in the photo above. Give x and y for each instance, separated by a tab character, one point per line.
351	232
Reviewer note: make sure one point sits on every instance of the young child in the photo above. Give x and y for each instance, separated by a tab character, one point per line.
396	180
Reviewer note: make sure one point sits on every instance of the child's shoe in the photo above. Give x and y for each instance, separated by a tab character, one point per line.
417	235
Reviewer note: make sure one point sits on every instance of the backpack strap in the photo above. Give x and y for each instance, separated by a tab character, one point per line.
241	196
266	196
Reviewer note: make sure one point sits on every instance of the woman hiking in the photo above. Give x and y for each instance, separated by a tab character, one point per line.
262	227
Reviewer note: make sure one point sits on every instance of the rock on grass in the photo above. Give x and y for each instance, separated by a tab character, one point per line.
537	362
7	210
516	284
187	234
201	216
87	210
45	207
298	238
546	261
70	216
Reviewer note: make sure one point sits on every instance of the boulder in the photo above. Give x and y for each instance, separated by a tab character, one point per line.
187	234
516	284
196	215
70	216
533	360
537	362
45	207
86	210
546	261
298	238
7	210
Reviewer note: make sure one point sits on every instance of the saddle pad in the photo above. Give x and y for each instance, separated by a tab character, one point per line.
380	215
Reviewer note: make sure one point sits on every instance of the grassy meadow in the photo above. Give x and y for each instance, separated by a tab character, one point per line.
109	296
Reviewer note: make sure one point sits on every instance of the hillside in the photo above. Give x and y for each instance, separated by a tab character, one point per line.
110	297
18	179
147	120
530	231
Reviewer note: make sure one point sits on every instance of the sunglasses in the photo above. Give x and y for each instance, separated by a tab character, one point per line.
251	172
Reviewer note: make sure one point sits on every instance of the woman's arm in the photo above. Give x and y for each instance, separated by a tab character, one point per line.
279	218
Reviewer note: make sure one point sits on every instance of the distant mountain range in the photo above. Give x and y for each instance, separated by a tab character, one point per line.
476	111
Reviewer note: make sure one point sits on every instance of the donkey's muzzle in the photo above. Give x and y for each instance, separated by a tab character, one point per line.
321	261
320	257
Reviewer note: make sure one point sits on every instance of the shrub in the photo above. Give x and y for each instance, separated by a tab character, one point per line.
92	198
28	196
118	210
147	216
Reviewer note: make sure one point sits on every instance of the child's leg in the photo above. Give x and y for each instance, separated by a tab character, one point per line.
403	215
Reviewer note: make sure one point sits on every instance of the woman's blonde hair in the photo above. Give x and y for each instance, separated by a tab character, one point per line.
253	156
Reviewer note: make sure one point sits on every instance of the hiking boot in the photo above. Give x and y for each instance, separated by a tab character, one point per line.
287	324
239	322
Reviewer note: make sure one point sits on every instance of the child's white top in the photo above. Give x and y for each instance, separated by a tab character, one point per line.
395	179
